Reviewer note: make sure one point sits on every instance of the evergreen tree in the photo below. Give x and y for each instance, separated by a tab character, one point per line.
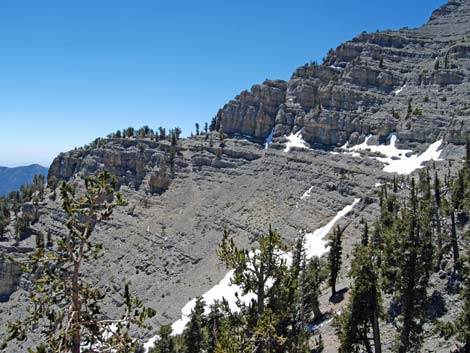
414	275
213	126
174	139
437	206
363	311
4	217
130	132
195	335
177	132
314	277
63	302
335	259
389	244
221	138
211	141
215	320
162	133
197	129
165	344
252	269
460	327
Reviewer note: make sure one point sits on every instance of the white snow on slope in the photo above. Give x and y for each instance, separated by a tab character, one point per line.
399	90
295	140
307	193
222	290
396	160
269	139
336	67
315	245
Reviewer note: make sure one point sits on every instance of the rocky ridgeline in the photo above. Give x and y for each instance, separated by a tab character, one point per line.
365	86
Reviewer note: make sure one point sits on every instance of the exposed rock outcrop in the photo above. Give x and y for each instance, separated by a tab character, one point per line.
359	83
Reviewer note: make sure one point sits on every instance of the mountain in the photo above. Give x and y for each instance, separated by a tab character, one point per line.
12	178
293	154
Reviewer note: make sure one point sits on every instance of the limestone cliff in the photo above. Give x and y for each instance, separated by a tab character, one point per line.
367	86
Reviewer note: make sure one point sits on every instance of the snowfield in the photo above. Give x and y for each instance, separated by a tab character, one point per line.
397	160
315	245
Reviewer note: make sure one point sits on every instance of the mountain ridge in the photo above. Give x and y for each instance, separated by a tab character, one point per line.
12	178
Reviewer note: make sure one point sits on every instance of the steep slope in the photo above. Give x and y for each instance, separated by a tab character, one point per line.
12	178
180	201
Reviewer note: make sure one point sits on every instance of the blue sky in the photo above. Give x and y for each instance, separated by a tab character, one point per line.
71	71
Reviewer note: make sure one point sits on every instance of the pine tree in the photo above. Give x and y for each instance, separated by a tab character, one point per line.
195	335
390	241
214	124
174	140
460	327
4	217
252	269
221	138
415	271
335	259
197	129
314	277
165	344
437	206
215	320
177	132
363	311
63	302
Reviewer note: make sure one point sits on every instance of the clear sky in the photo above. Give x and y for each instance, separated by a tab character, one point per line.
71	71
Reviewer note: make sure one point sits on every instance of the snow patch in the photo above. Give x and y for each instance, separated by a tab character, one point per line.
337	67
399	90
269	139
397	160
221	290
315	244
307	193
295	140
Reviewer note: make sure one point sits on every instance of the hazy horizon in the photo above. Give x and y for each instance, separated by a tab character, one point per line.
72	72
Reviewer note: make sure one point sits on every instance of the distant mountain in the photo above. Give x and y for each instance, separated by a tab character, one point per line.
12	178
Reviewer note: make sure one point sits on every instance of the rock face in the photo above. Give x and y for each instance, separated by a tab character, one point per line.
366	86
252	113
10	274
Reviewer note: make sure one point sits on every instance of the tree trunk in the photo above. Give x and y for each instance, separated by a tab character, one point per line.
376	332
317	314
439	237
75	308
366	342
455	246
261	294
